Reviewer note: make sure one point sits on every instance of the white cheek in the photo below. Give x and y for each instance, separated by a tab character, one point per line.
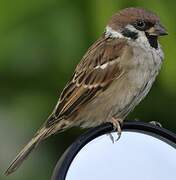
141	36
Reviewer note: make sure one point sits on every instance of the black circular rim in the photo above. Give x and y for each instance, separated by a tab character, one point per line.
65	161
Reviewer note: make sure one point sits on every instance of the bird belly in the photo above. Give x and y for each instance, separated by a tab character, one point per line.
116	101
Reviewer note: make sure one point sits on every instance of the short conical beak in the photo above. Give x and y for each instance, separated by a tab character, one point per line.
158	30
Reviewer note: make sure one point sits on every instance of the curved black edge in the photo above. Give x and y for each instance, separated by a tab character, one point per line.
150	128
63	164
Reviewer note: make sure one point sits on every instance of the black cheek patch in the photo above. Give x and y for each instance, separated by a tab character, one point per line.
153	40
130	34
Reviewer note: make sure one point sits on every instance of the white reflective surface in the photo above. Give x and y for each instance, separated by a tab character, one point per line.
135	156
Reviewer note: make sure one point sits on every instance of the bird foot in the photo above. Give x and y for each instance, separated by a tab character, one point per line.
156	123
117	123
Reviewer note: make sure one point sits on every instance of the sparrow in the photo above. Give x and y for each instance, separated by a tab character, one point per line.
114	75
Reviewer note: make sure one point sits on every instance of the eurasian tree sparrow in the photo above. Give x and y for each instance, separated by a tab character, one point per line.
114	75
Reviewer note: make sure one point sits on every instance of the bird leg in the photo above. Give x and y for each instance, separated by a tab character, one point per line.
117	123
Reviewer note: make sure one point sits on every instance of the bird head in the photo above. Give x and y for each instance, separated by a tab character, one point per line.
136	24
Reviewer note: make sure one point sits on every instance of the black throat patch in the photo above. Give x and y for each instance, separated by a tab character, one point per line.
153	40
129	34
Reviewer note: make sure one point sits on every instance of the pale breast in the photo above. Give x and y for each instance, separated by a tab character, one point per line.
141	77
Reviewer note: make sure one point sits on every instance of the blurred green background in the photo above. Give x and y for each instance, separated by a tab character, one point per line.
41	41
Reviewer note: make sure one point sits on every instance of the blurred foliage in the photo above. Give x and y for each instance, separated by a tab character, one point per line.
41	43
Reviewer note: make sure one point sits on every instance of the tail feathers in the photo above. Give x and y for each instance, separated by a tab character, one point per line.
24	153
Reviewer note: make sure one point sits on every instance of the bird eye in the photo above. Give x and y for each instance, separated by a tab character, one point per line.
140	25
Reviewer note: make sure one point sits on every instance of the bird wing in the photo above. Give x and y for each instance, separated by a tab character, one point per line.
98	68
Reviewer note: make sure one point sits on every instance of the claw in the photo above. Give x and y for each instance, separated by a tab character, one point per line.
117	127
155	123
111	137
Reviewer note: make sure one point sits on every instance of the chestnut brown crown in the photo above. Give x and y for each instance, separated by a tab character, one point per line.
137	17
131	15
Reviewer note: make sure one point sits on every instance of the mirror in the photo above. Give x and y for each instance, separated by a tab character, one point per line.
135	156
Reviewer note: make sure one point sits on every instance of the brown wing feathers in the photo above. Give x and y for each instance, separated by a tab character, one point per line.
97	69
